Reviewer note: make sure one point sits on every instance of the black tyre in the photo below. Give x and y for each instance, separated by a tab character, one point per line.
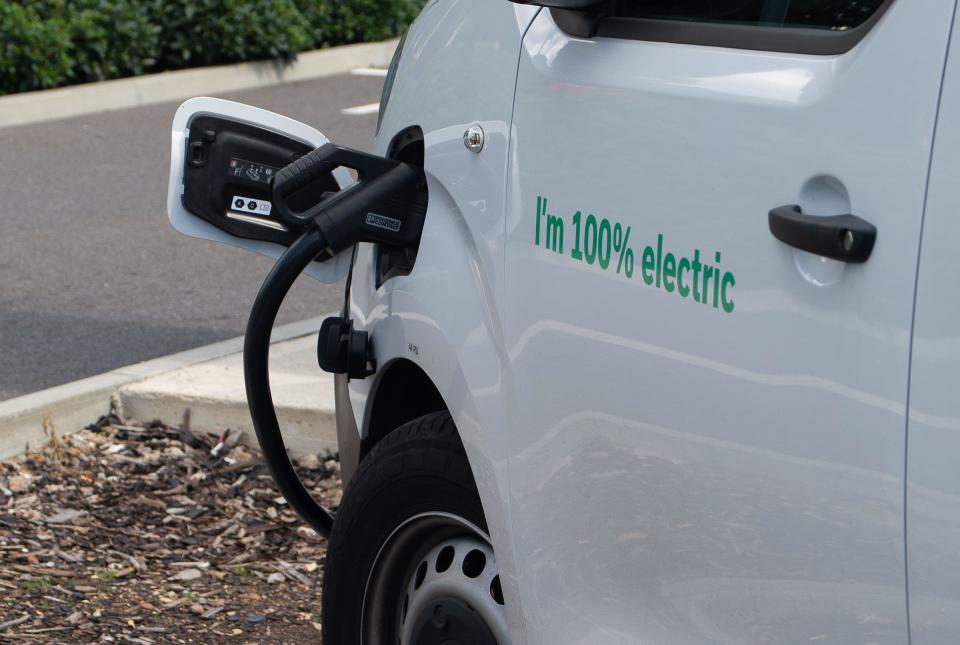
409	561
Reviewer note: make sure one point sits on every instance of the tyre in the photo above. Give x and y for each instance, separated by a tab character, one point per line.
409	561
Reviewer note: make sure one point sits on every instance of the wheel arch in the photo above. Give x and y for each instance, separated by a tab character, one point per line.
403	392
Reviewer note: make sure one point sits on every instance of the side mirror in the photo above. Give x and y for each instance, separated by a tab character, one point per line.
224	156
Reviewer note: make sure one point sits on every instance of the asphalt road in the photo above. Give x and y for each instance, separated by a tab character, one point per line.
94	277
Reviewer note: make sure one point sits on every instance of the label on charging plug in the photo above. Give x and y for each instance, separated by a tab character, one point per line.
384	222
250	205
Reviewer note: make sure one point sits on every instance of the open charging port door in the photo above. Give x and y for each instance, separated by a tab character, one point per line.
224	157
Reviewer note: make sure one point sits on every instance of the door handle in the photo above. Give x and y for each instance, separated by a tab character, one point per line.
847	238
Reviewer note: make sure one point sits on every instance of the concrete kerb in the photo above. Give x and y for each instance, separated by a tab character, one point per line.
47	105
68	408
214	394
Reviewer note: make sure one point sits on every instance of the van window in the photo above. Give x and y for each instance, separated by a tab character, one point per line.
824	14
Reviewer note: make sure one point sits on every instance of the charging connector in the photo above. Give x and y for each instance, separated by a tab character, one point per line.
386	205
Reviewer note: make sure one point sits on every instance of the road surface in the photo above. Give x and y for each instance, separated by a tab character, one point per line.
94	277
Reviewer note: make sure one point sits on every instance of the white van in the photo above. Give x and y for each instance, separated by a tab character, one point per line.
676	355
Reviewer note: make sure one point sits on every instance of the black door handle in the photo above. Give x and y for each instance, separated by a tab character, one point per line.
847	238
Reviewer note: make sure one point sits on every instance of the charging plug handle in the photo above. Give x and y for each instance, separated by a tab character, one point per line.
386	205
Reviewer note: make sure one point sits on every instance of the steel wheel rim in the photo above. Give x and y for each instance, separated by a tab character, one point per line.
399	592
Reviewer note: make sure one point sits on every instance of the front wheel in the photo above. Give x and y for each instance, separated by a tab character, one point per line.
409	561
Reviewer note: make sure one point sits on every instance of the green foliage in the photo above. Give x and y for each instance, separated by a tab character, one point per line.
209	32
370	20
34	53
47	43
109	38
336	22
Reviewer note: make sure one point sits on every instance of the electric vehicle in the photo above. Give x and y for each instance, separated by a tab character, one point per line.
651	333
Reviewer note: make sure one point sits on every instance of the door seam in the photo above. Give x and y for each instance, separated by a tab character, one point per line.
913	324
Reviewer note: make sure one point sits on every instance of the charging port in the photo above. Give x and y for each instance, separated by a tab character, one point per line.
391	261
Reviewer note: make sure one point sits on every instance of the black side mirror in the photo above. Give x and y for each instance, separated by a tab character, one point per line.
576	17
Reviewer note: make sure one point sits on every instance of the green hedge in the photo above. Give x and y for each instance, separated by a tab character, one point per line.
354	21
49	43
33	52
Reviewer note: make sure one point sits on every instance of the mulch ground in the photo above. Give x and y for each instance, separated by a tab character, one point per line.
129	533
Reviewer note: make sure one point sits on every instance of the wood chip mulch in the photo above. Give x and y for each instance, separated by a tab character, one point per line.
128	533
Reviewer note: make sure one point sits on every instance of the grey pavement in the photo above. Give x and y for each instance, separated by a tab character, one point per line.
92	276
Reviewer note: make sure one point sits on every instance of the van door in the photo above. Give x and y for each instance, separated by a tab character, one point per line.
709	418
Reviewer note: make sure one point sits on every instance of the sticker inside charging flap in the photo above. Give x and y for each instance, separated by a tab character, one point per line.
252	171
251	205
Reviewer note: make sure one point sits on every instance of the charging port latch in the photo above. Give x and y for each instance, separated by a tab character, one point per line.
343	350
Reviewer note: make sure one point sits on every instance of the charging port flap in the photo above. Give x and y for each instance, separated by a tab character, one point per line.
224	157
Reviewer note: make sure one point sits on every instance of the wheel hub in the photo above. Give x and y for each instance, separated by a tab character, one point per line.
450	622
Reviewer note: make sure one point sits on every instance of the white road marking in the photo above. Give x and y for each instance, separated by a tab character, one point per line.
369	71
361	110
